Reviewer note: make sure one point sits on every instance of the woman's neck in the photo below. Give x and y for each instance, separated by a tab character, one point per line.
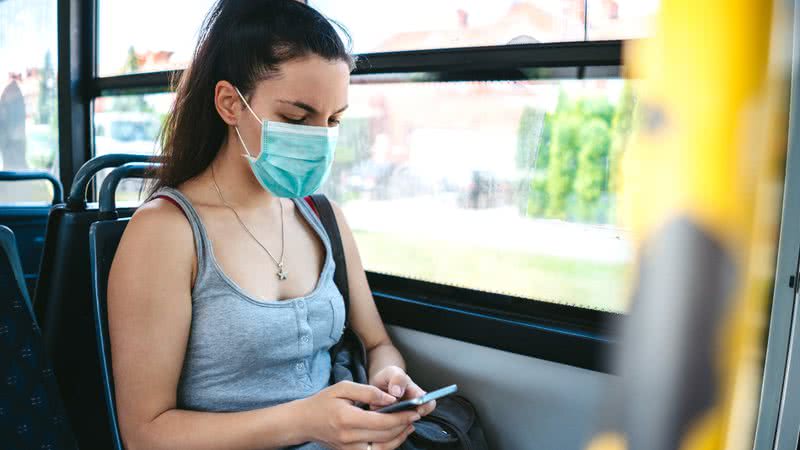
235	179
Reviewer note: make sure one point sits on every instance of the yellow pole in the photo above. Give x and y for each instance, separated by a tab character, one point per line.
699	192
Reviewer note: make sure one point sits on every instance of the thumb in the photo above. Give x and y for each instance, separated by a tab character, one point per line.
398	383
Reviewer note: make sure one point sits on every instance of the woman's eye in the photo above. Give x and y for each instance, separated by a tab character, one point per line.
334	121
294	121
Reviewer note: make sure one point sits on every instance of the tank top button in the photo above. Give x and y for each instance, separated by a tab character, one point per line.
301	304
304	339
299	366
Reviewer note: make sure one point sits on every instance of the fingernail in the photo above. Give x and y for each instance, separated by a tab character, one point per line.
388	398
396	391
415	417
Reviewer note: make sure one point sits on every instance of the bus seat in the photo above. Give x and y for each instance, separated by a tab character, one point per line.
104	237
63	306
31	410
28	221
13	275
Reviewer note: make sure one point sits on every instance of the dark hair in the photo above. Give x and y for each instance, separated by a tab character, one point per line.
243	42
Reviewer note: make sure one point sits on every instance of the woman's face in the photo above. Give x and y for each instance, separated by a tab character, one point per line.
308	91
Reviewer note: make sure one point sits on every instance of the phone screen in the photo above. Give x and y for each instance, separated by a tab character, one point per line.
413	403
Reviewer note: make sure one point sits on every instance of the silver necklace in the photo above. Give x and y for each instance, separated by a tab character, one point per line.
282	273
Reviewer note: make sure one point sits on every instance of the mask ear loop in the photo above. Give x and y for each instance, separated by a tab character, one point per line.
235	127
246	155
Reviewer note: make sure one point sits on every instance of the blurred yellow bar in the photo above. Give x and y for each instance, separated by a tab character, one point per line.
709	151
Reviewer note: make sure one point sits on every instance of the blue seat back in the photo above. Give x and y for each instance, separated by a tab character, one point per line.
63	306
28	221
31	411
104	237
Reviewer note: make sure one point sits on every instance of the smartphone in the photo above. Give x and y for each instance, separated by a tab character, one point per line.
405	405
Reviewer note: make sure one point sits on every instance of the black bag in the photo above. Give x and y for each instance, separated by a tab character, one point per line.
453	425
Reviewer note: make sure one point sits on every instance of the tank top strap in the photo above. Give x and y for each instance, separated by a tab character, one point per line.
201	239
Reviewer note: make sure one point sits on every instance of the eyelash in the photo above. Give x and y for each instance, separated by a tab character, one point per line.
294	121
300	121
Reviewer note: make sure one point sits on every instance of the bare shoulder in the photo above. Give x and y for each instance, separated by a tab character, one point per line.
159	216
158	233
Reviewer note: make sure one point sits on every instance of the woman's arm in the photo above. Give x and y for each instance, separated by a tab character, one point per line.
386	364
364	316
149	309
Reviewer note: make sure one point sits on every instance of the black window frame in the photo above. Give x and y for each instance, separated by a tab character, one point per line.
555	331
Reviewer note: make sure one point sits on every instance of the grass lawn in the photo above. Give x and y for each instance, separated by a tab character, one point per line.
37	191
588	284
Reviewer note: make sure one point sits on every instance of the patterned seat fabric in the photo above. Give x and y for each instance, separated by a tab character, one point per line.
31	412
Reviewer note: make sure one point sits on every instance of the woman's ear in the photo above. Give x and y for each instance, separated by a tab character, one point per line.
227	102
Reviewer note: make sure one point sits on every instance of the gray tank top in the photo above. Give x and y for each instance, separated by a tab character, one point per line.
245	353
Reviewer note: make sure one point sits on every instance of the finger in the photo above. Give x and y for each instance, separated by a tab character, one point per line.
383	377
427	408
363	393
394	443
376	407
398	384
413	390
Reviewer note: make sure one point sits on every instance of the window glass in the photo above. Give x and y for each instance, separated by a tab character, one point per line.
424	24
506	187
28	96
414	25
131	38
620	19
129	124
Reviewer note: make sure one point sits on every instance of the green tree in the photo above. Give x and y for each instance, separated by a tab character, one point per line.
47	92
352	147
134	102
596	107
533	149
563	163
529	138
537	198
571	165
590	179
621	128
131	62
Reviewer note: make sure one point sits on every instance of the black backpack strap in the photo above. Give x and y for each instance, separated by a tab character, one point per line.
324	211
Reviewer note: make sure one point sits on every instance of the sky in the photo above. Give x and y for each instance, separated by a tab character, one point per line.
28	28
27	32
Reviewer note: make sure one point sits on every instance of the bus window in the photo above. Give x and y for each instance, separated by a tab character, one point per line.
476	23
28	98
505	187
129	124
168	43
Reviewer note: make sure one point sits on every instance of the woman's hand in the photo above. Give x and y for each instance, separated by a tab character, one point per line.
333	420
396	382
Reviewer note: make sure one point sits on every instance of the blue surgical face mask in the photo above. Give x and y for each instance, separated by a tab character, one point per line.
295	159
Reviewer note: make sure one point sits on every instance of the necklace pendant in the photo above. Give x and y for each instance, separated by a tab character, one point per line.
282	274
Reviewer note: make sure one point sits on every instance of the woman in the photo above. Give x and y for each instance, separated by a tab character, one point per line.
222	306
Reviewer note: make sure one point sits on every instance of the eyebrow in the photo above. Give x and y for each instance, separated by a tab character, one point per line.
308	107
